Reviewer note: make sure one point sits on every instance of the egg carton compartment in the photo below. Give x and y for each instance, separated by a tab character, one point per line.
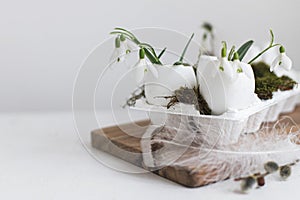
228	126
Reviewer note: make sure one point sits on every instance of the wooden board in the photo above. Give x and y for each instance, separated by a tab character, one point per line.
115	141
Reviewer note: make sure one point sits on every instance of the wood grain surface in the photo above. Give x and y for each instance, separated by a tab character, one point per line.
116	141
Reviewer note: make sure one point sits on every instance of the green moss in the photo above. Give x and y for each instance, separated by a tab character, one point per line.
267	82
261	69
190	96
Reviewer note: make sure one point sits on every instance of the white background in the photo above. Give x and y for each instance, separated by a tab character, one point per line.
43	43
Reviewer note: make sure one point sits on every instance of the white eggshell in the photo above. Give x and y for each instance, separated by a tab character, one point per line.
170	78
240	93
211	85
220	92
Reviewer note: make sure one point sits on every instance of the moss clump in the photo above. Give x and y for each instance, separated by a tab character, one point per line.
190	96
267	82
261	69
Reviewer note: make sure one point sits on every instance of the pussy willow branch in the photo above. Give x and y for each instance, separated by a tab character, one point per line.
258	174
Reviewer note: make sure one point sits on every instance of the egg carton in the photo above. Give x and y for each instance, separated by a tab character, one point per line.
228	126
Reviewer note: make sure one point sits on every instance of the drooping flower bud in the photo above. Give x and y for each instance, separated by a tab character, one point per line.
281	63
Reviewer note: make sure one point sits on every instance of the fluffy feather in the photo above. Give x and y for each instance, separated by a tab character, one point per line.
279	142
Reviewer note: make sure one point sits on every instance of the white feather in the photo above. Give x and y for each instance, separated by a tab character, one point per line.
185	148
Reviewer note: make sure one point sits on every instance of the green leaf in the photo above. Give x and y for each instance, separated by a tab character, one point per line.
185	48
162	52
182	63
145	45
152	58
244	49
178	63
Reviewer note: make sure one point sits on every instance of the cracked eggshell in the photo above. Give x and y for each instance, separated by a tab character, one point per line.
170	78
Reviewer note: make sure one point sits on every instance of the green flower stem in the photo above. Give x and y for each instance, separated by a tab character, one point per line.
265	50
261	53
125	34
272	37
149	50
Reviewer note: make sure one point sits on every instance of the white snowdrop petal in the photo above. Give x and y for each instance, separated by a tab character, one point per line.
152	69
279	71
236	66
286	62
269	56
128	46
228	68
124	45
275	63
122	53
114	56
131	46
118	55
247	69
139	68
140	73
281	65
214	73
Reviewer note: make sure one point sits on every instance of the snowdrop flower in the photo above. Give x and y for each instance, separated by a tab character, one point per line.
143	66
281	61
222	93
207	43
119	51
241	67
127	45
237	63
225	65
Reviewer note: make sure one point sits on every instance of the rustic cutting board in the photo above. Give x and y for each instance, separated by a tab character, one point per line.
116	142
